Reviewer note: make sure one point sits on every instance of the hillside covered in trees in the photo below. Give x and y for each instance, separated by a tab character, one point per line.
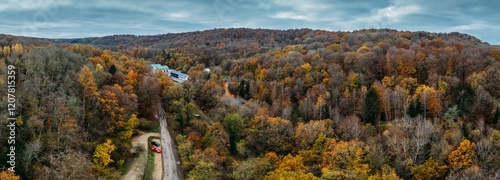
302	104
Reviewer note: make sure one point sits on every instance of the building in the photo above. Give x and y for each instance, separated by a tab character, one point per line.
177	76
159	67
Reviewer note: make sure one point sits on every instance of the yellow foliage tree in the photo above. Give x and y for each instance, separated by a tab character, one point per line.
291	168
111	108
345	160
306	67
261	74
462	156
388	173
353	80
6	51
429	170
102	156
18	49
132	78
363	49
272	157
130	125
8	175
289	175
290	163
87	80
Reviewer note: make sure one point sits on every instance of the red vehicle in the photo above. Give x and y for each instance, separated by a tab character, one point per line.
155	149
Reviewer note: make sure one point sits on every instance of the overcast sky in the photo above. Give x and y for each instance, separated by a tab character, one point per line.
88	18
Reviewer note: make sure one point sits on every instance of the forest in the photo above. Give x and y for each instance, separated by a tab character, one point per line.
301	104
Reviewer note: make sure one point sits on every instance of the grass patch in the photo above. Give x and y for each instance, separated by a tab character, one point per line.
148	171
155	128
138	159
150	164
126	167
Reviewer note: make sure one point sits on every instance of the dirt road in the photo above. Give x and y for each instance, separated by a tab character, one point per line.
138	165
171	163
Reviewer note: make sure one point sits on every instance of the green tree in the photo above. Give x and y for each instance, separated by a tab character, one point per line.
234	125
496	115
204	171
252	169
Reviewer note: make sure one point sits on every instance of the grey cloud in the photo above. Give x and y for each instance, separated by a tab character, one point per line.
72	18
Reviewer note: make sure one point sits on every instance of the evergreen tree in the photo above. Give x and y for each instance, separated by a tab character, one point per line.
496	116
233	122
372	104
112	69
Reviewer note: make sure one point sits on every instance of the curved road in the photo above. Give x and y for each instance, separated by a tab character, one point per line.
171	163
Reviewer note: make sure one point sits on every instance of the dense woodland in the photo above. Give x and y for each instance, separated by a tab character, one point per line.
304	104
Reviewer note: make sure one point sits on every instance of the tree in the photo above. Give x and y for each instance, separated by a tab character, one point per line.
350	128
291	168
8	175
372	106
241	89
252	169
279	134
217	138
495	53
388	173
18	49
270	134
111	110
421	137
429	170
430	99
345	159
87	80
148	96
210	93
6	51
112	69
102	157
129	127
496	115
289	175
204	170
306	134
234	125
64	165
462	156
487	154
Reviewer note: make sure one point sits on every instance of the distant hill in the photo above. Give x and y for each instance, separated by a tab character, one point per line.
245	36
6	39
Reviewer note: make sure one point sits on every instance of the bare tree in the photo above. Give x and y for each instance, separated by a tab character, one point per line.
420	138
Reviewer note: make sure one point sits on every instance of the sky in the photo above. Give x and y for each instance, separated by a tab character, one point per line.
91	18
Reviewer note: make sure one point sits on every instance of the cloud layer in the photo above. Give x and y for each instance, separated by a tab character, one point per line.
72	18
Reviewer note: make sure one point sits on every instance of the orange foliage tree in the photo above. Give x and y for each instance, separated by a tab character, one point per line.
8	175
462	156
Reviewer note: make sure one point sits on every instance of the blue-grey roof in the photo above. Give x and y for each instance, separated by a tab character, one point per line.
181	77
159	67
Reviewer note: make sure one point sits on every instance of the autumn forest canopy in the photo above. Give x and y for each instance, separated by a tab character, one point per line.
276	104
